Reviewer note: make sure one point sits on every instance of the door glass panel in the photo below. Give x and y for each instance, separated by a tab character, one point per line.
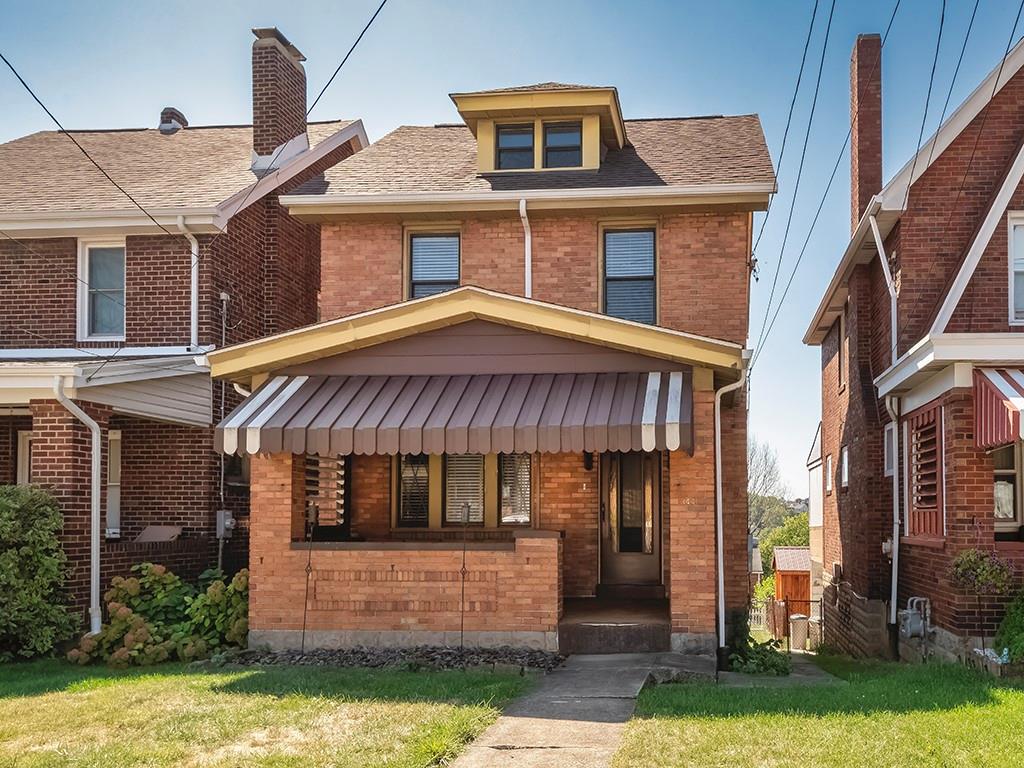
636	524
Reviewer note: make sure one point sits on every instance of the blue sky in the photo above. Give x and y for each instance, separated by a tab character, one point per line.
115	64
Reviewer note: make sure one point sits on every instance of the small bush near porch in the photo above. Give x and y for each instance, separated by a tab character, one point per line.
53	713
888	715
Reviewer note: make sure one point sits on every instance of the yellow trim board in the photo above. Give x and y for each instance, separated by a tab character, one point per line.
242	362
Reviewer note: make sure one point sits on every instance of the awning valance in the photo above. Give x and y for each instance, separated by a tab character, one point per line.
480	413
998	400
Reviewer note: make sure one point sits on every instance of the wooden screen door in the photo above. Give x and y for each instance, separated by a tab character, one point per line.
631	518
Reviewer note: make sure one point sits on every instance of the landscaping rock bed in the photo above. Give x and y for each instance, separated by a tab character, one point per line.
505	659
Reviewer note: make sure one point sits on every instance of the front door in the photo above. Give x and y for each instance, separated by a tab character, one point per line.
630	518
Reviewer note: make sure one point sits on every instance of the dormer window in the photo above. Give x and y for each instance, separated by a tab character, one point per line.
515	147
563	145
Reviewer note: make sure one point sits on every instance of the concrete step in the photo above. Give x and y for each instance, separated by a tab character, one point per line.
614	637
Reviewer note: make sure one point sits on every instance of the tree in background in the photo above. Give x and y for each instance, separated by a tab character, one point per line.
766	505
794	532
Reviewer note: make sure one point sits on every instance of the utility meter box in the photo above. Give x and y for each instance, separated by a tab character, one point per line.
225	523
911	623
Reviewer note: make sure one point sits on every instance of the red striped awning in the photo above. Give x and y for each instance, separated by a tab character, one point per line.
479	413
998	400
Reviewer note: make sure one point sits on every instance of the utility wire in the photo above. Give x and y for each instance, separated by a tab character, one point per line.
789	119
828	187
799	174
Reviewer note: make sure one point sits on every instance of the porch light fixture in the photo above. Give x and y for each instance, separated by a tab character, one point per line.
588	461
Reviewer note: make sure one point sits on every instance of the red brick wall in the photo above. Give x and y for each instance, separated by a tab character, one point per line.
278	97
569	501
371	496
9	428
44	276
866	123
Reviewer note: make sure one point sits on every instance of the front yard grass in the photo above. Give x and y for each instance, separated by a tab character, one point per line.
56	714
888	715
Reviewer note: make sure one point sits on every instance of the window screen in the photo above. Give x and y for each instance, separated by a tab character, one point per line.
105	278
434	264
413	491
515	147
464	489
563	145
629	275
514	479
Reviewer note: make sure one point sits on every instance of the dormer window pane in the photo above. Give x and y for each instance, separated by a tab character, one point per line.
515	147
563	145
434	264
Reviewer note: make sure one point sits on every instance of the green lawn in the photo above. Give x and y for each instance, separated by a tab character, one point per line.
888	715
55	714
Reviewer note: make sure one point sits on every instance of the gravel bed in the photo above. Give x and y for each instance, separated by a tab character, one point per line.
504	659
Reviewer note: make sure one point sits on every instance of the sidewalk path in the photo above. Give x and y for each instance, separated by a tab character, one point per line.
804	672
577	714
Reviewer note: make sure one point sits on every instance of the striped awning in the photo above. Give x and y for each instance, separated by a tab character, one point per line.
480	413
998	400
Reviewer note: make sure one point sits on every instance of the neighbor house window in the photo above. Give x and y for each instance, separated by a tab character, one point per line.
841	355
1005	463
828	473
101	291
629	284
514	147
889	449
414	491
563	145
1017	267
514	486
113	483
844	466
925	513
464	489
24	469
433	264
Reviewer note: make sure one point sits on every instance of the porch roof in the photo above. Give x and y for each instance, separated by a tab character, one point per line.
479	413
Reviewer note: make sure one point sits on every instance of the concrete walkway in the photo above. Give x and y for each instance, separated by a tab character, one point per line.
576	715
804	672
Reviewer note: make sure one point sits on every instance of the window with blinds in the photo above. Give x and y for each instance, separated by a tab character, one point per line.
629	274
327	485
1017	257
433	264
514	481
464	489
414	491
925	513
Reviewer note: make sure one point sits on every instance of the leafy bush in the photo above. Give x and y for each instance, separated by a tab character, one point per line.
765	589
982	573
761	659
795	531
33	615
154	616
1011	630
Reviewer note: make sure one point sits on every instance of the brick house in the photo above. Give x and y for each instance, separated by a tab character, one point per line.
532	322
106	313
920	361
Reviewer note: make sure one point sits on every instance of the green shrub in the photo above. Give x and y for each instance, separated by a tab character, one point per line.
761	659
764	590
155	593
1011	630
982	573
33	615
220	615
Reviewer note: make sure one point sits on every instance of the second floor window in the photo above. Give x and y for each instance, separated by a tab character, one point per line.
434	264
1017	262
563	145
102	292
515	147
629	274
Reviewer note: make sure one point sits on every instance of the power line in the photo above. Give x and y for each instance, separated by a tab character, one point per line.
821	204
799	174
789	118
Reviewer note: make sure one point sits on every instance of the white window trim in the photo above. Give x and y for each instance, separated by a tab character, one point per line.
1005	526
1013	218
828	473
844	466
888	444
24	469
83	287
113	517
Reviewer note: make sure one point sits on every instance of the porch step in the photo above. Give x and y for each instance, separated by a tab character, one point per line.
613	638
631	591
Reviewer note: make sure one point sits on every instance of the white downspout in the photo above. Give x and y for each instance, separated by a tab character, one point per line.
95	616
193	284
893	588
527	251
719	516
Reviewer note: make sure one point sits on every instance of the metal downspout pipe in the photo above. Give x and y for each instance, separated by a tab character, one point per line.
193	283
95	615
527	250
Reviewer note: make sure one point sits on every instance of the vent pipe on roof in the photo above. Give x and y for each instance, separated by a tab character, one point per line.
172	120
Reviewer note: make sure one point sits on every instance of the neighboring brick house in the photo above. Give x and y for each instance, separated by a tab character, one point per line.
921	382
114	310
527	319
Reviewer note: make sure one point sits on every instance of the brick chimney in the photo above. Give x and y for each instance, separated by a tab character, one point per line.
278	91
865	123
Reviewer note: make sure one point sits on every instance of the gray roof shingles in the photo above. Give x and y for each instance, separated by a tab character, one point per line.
792	558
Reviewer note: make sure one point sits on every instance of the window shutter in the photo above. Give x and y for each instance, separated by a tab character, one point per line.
414	491
327	485
629	275
464	484
926	474
515	488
